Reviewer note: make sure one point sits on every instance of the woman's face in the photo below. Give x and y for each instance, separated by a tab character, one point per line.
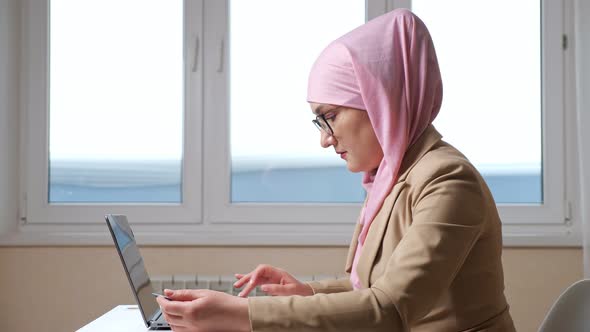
353	139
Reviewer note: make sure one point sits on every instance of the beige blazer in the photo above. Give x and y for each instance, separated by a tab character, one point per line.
431	260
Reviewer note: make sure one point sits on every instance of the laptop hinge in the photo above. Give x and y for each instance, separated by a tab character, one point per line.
154	317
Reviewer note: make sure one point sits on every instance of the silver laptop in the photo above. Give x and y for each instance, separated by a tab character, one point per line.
139	280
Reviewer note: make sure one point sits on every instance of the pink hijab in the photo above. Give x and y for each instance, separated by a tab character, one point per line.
387	67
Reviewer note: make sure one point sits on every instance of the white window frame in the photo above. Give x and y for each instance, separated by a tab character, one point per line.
523	223
557	221
323	223
207	216
37	210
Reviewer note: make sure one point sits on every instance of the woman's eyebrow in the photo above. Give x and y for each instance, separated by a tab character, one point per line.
318	110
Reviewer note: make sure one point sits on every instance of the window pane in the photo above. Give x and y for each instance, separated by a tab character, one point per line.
116	100
276	155
492	89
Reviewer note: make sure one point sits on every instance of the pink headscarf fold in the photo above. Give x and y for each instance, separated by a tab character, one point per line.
389	68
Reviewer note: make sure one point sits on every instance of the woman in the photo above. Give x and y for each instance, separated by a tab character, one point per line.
426	253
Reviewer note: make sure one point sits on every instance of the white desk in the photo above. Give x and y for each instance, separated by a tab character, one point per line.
123	318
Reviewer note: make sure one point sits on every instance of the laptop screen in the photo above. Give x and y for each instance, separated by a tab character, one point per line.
133	264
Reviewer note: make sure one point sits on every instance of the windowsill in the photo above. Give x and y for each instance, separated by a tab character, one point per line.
563	235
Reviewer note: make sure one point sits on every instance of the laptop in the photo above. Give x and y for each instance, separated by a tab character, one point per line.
139	280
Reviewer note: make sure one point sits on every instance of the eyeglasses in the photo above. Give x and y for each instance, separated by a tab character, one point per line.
321	123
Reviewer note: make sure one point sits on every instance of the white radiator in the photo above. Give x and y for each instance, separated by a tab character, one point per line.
222	283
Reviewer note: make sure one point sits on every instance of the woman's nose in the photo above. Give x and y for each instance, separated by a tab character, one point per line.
326	140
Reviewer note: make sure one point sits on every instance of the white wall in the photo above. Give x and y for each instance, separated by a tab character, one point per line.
63	288
9	101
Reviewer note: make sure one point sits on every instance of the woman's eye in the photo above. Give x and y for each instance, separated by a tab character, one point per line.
329	116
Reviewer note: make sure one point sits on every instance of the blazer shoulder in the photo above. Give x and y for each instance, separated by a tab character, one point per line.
445	181
443	162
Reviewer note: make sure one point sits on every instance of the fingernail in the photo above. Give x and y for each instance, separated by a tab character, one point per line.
169	291
264	288
240	294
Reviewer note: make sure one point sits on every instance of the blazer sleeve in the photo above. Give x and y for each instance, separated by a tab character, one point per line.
330	286
447	218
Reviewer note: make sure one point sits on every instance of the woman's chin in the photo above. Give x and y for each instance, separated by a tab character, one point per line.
352	167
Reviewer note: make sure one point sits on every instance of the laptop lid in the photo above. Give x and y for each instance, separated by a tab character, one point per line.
134	266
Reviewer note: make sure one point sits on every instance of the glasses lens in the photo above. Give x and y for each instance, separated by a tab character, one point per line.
324	125
317	124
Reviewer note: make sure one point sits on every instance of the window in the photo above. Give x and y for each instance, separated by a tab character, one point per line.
274	149
115	101
500	106
220	163
291	168
487	90
522	162
108	101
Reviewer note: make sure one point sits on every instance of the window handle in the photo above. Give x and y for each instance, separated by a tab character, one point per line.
221	56
196	55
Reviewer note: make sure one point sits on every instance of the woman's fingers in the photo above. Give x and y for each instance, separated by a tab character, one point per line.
183	294
172	308
173	319
242	280
263	274
245	280
260	275
247	289
176	328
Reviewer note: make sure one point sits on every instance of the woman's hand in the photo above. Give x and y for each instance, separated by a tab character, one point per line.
274	281
202	310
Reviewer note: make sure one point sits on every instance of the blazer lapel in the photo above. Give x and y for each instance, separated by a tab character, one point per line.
352	248
375	235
